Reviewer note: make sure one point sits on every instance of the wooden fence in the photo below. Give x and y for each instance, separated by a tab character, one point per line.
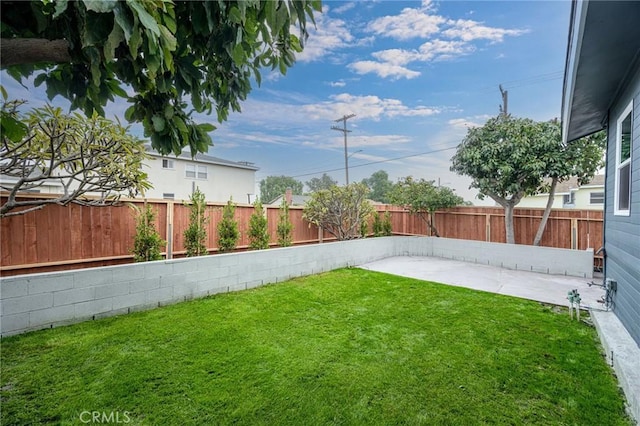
59	238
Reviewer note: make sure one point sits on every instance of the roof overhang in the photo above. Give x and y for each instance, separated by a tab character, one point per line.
604	48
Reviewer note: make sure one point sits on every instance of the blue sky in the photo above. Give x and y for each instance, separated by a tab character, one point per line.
416	74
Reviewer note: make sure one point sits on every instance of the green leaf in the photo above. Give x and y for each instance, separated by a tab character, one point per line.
158	123
100	6
238	54
61	6
125	20
207	127
145	19
113	41
4	92
12	128
129	113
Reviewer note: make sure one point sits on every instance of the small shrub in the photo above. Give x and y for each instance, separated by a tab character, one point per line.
387	228
377	225
228	234
285	227
195	236
364	228
258	232
147	244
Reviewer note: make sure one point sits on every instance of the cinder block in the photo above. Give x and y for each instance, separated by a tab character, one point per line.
94	307
183	266
157	269
112	313
128	272
227	259
13	288
75	295
237	287
184	289
28	303
129	300
92	277
45	284
218	290
110	290
208	284
51	315
160	295
145	284
13	323
253	284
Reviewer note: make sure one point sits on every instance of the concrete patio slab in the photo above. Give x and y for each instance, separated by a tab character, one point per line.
528	285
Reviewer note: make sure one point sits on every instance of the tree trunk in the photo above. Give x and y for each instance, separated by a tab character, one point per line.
19	51
434	230
508	223
547	212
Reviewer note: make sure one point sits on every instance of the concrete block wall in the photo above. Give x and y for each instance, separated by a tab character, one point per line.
36	301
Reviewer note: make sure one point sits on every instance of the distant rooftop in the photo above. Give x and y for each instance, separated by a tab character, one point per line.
204	158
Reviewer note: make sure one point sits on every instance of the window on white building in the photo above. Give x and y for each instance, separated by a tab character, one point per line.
167	164
168	195
193	171
202	172
596	198
190	171
623	162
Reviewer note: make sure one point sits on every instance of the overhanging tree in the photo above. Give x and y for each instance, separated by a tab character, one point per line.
422	198
168	53
93	161
339	210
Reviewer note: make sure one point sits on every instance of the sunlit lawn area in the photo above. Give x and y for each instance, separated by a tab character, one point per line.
345	347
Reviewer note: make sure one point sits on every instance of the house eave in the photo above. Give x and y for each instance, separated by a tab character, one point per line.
603	49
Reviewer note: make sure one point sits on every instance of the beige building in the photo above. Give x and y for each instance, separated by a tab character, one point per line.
570	195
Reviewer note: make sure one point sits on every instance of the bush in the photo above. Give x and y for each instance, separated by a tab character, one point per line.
364	228
377	225
195	236
147	244
387	228
228	234
285	227
258	232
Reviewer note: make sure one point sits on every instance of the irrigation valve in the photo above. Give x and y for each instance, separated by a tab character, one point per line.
574	302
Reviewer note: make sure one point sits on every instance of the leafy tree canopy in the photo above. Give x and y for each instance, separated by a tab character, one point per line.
423	198
94	160
168	53
340	210
379	185
509	158
274	186
323	182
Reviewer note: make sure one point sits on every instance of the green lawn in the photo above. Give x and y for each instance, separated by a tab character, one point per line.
345	347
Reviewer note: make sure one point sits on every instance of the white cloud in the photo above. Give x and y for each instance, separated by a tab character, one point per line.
367	107
446	39
383	69
469	30
344	8
339	83
328	35
410	23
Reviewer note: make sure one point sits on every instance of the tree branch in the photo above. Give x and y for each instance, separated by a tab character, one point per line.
19	51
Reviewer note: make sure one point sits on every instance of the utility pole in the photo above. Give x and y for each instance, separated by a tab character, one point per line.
505	100
344	130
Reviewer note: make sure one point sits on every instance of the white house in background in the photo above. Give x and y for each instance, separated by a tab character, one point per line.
175	178
570	195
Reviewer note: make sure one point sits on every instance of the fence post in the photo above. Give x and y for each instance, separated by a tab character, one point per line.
487	221
170	230
574	234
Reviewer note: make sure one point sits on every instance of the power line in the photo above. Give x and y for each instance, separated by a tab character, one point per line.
379	161
344	130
